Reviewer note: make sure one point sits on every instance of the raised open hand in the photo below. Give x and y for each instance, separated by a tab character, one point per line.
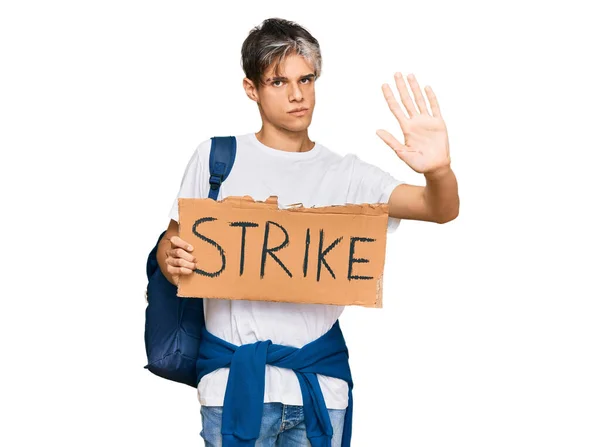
426	148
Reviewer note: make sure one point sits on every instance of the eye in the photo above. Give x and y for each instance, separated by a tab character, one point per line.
303	79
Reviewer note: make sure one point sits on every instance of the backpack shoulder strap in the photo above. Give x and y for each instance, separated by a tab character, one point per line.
222	156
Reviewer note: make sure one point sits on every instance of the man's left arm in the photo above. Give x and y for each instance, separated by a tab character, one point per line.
427	151
437	202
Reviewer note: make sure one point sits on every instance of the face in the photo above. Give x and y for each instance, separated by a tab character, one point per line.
295	88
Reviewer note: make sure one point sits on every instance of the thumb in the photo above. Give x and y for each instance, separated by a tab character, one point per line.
391	141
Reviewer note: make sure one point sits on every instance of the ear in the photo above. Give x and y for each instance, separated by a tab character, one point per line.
250	89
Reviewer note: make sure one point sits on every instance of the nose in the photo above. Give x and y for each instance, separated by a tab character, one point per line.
296	93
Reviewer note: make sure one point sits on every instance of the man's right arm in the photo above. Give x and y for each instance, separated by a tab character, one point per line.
179	256
165	244
175	254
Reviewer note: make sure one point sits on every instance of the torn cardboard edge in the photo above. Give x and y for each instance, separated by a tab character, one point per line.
247	202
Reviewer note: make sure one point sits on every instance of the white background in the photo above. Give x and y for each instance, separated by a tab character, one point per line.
489	335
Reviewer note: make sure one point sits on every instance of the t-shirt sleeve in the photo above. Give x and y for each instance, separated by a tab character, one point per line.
191	183
371	184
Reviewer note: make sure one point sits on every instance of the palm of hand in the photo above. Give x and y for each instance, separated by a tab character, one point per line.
426	148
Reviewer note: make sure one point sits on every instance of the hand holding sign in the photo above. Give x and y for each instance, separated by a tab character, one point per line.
180	261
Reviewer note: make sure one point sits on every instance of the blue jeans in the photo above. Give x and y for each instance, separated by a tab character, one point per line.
282	426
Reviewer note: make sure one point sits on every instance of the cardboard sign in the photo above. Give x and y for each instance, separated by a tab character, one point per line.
252	250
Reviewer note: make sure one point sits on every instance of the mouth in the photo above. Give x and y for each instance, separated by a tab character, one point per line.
299	111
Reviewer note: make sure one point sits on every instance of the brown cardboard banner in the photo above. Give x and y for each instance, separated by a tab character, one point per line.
252	250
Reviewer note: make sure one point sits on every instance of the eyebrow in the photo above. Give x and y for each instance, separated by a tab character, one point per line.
283	78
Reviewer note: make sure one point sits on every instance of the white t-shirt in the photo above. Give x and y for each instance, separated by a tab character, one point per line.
318	177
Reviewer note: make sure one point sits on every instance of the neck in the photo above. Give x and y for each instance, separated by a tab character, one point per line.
285	140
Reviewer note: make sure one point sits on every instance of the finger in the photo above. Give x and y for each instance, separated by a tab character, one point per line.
391	141
393	105
183	263
433	102
178	270
404	95
181	253
176	241
179	262
416	89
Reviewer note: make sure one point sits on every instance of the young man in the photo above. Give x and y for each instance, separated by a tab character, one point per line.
282	61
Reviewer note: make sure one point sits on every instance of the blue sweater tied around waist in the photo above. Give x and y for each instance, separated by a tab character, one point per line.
244	395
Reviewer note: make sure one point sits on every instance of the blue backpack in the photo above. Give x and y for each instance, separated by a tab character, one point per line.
174	324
